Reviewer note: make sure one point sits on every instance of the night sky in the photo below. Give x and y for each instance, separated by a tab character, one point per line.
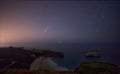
59	21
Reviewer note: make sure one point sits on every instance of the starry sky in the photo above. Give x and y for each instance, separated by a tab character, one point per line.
59	21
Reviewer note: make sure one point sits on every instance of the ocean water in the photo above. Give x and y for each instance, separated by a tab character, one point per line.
74	54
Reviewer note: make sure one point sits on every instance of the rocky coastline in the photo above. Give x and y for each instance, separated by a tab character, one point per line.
17	60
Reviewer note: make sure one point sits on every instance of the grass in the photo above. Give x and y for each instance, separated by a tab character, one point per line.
99	65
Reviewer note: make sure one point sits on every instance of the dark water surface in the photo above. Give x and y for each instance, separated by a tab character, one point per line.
75	53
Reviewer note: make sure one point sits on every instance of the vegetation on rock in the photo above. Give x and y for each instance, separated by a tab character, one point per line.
97	68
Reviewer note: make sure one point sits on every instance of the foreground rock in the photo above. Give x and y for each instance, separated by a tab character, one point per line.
24	71
15	57
97	68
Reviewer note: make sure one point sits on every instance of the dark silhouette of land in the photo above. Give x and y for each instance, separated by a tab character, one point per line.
18	57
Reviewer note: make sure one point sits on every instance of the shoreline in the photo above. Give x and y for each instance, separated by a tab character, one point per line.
46	63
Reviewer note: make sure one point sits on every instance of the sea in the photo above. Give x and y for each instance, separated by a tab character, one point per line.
74	53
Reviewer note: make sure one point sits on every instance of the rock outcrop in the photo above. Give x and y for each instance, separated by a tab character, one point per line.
97	68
